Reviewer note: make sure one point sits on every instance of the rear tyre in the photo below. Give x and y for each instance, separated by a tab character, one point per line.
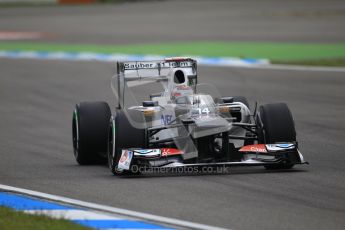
123	135
90	132
275	124
241	99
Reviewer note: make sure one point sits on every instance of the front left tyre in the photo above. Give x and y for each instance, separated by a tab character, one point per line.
90	126
123	135
276	125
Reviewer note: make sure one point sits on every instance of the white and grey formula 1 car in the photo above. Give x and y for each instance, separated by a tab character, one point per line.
185	124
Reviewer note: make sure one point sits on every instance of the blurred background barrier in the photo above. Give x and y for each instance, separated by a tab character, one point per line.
28	1
48	1
75	1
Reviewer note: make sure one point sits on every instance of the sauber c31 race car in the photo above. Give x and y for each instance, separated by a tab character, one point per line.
185	124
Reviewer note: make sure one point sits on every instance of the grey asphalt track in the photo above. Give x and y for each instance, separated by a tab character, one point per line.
37	98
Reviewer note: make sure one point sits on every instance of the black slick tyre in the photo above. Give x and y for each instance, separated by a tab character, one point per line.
90	132
241	99
275	124
122	135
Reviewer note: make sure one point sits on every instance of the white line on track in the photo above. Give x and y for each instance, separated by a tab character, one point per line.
141	215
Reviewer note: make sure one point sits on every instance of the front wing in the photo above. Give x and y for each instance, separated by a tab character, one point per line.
253	155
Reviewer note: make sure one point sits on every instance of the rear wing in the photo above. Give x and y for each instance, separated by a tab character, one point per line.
137	70
150	71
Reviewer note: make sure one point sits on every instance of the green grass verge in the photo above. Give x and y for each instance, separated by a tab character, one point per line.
276	52
10	219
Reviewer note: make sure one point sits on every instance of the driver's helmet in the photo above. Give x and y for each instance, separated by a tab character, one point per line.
181	90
